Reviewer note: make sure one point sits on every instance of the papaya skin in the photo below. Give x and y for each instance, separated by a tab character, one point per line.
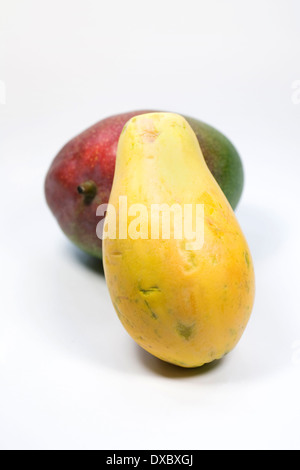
185	307
81	175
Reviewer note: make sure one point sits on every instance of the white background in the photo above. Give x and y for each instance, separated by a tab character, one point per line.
70	376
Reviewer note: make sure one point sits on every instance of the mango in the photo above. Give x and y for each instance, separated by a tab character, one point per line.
81	175
184	302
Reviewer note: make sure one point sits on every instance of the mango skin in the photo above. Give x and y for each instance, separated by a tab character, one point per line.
90	157
185	307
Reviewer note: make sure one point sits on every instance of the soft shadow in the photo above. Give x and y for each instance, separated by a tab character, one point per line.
88	261
100	336
171	371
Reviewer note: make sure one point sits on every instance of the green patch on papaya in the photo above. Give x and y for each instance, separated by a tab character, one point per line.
185	331
149	291
246	254
153	314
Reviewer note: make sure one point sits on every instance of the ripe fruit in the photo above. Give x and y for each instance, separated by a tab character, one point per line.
185	306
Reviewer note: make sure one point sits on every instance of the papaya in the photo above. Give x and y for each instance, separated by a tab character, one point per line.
185	296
